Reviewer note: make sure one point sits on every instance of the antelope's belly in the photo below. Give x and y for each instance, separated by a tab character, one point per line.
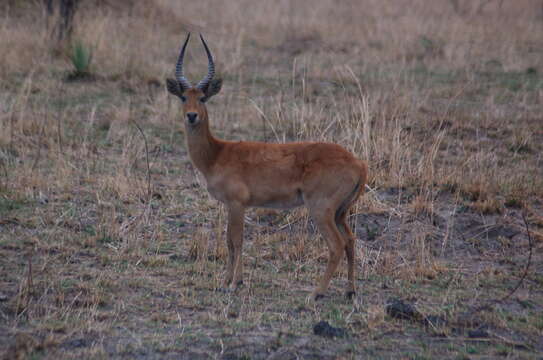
256	194
277	200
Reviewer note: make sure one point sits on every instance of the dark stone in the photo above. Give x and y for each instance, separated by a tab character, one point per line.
322	328
478	333
398	309
76	343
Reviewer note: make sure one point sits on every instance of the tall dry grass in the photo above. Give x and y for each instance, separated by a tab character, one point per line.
405	88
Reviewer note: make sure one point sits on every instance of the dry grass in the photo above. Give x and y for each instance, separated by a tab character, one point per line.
443	103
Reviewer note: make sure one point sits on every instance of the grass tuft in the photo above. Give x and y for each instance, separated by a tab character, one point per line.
81	59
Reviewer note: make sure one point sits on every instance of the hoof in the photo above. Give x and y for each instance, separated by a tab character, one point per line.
227	289
350	294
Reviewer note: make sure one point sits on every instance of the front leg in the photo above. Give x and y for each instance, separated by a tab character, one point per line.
234	238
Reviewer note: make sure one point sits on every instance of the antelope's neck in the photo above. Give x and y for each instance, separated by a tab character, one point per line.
203	148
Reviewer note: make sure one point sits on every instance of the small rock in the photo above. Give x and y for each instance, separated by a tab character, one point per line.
322	328
157	196
76	343
3	297
398	309
478	333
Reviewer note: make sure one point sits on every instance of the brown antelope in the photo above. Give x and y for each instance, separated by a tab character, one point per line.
325	177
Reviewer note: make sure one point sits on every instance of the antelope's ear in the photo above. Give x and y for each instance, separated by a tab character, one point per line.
213	88
173	87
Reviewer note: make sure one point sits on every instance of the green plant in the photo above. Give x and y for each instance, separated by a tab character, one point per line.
81	58
7	204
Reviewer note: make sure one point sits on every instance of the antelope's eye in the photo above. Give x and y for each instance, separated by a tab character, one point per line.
203	99
183	98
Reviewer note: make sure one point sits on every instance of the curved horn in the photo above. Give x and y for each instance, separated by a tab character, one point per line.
210	67
179	67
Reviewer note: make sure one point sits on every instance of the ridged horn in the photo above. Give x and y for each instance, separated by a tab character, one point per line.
210	67
179	67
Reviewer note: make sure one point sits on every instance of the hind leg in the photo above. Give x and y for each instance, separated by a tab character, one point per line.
329	194
343	226
327	226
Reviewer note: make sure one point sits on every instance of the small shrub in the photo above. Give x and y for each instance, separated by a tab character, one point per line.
514	201
488	206
81	58
521	142
476	191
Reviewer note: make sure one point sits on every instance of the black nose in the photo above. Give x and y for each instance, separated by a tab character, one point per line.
191	117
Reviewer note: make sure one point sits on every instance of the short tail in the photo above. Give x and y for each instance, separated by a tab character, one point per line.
363	177
356	193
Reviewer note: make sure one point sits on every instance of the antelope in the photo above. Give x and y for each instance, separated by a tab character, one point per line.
324	177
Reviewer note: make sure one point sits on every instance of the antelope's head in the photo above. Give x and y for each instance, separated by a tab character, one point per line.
194	97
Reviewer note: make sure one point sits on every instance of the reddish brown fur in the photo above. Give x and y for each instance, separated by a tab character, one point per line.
325	177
